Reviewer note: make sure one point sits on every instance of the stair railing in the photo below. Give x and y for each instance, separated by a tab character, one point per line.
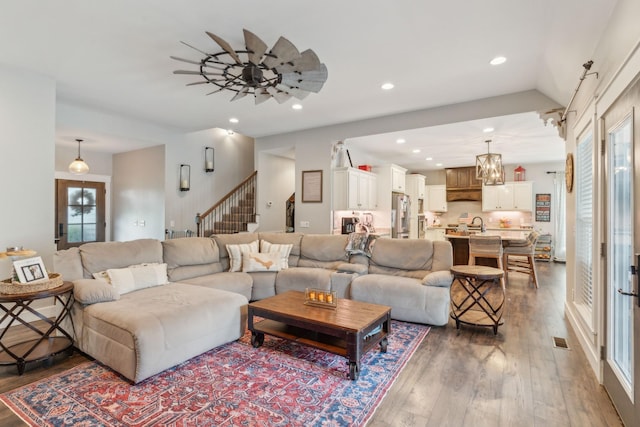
232	212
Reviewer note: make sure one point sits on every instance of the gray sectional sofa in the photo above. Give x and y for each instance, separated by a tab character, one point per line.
146	305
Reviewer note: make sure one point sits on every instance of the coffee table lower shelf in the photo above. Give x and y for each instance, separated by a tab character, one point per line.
319	340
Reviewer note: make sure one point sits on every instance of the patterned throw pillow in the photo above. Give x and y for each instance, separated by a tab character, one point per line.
282	249
260	261
236	251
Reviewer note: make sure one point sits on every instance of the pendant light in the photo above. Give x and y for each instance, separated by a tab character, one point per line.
78	166
489	167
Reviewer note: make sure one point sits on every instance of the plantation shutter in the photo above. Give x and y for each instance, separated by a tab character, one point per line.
584	223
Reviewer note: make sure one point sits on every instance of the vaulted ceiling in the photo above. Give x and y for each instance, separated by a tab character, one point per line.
114	55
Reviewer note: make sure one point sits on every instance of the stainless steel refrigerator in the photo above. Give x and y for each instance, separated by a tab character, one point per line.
400	211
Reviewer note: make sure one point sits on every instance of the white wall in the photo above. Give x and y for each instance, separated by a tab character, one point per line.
313	146
273	196
27	134
233	163
138	194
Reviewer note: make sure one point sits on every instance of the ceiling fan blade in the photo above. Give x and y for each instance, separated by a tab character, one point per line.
195	48
307	61
225	46
190	61
284	51
293	91
196	73
241	94
255	46
261	96
278	95
307	80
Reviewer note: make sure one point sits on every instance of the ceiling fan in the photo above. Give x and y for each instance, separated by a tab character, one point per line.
281	73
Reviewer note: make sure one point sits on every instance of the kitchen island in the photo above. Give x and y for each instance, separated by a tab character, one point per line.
460	244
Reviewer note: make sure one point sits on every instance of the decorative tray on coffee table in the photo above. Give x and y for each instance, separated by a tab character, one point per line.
320	298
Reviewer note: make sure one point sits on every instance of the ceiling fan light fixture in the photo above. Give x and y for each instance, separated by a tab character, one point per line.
79	166
280	73
489	167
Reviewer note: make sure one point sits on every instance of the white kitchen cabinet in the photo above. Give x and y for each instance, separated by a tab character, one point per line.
398	179
415	186
512	196
436	198
435	234
354	189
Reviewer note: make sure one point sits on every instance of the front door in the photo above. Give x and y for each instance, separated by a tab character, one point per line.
80	212
622	320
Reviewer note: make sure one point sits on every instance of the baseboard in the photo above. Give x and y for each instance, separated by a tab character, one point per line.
591	352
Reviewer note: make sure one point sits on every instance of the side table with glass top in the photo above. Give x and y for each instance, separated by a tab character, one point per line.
51	338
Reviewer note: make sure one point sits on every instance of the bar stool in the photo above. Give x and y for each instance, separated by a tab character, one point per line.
526	250
486	247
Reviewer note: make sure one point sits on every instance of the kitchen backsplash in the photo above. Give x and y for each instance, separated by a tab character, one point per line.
491	219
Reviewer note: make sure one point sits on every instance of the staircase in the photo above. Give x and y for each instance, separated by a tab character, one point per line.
234	213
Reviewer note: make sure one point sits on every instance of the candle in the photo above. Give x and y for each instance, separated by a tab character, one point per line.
312	295
330	298
321	296
184	184
209	165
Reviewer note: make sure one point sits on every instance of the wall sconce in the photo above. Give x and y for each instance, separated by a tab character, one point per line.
185	177
208	159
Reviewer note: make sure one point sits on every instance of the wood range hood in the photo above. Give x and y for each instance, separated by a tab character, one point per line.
462	185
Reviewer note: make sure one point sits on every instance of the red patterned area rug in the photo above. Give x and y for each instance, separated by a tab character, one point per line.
279	384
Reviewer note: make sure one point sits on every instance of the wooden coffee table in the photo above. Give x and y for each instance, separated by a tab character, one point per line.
345	330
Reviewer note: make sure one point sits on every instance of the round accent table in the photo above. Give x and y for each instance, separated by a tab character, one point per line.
50	339
477	297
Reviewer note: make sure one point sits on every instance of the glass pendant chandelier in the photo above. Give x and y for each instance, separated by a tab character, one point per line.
489	167
78	166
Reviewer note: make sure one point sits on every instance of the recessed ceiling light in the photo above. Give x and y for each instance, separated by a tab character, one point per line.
498	60
487	130
297	106
387	86
400	141
416	150
233	120
438	164
429	159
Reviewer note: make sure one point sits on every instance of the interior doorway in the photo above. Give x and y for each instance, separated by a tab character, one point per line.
80	212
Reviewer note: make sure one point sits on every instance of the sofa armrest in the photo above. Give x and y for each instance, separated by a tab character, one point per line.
346	267
91	291
441	279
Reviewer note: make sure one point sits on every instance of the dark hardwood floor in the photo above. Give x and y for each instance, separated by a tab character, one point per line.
470	377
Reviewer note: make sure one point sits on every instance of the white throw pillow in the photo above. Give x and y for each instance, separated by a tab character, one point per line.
282	249
256	261
130	279
235	254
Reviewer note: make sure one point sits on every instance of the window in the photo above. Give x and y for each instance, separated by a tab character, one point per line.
583	297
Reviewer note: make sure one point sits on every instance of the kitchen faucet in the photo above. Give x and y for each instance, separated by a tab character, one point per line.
482	227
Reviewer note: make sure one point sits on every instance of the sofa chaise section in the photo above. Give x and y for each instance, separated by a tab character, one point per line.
147	330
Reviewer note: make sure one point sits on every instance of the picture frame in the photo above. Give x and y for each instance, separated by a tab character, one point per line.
312	186
543	207
30	270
